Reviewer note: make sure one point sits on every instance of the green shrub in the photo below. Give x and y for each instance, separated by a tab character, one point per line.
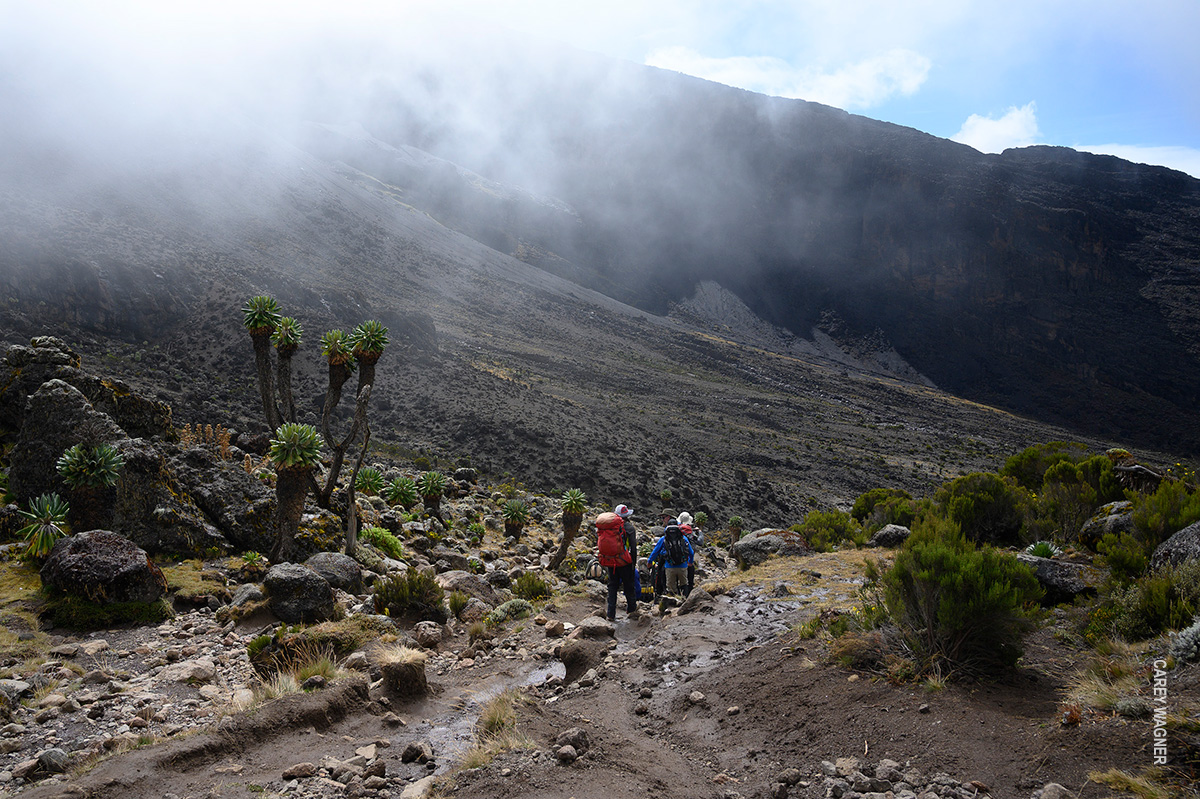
880	507
1169	509
1125	556
384	541
1028	467
1165	599
700	519
1067	499
413	594
958	607
457	601
531	586
986	507
825	530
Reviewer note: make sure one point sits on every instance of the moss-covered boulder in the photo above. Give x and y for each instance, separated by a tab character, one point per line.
102	566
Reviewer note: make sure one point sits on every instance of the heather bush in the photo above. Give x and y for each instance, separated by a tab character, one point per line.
1125	556
1165	599
986	507
531	586
959	608
1028	467
880	507
1173	506
825	530
413	594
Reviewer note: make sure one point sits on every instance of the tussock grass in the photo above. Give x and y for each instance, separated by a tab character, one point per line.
497	730
1146	786
1116	671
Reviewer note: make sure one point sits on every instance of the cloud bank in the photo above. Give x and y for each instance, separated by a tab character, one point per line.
1017	127
861	85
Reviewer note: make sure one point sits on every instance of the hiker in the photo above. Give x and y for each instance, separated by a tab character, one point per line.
616	540
675	554
658	577
694	537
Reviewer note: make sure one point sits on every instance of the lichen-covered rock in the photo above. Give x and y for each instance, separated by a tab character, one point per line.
298	595
320	531
154	511
102	566
756	547
238	504
1115	517
55	415
340	571
890	535
49	358
1180	548
1062	580
473	585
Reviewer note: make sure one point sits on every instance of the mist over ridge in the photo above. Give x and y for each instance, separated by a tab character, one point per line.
154	175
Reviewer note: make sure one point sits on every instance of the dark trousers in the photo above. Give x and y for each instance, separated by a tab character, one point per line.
621	576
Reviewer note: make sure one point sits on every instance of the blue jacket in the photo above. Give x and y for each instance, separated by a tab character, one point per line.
660	553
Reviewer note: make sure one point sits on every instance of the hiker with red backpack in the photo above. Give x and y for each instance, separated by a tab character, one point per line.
675	553
616	540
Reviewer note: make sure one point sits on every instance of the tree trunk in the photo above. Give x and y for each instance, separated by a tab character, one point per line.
338	375
266	380
352	510
286	402
291	487
571	522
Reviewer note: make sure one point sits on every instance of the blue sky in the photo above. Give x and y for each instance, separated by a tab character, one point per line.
1108	77
1098	75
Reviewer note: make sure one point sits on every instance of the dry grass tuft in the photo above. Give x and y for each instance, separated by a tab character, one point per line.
403	669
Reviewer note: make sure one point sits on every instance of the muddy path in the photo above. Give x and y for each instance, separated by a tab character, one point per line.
356	721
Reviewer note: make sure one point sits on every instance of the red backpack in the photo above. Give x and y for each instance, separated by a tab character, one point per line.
610	537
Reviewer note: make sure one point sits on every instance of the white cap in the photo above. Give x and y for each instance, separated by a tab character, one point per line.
624	511
685	518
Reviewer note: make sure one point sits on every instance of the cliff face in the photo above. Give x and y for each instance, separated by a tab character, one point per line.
1047	281
1056	284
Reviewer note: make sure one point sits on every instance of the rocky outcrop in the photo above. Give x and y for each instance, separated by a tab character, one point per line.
890	535
57	416
1115	517
754	548
154	511
298	595
49	358
103	567
1062	580
340	571
1182	547
239	505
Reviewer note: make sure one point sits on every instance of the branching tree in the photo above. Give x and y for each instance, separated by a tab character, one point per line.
286	338
573	505
261	316
295	452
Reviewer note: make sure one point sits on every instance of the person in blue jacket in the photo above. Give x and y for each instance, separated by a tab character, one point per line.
675	553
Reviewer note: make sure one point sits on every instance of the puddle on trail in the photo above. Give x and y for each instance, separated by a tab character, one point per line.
451	730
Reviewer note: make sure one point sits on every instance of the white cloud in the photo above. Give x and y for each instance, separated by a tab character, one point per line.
1016	128
1185	159
854	86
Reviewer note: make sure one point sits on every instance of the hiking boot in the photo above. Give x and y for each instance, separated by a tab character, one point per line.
611	618
633	614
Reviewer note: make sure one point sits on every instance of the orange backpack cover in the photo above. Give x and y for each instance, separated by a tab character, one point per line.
610	538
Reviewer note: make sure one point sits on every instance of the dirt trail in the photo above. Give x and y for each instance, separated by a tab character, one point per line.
719	702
